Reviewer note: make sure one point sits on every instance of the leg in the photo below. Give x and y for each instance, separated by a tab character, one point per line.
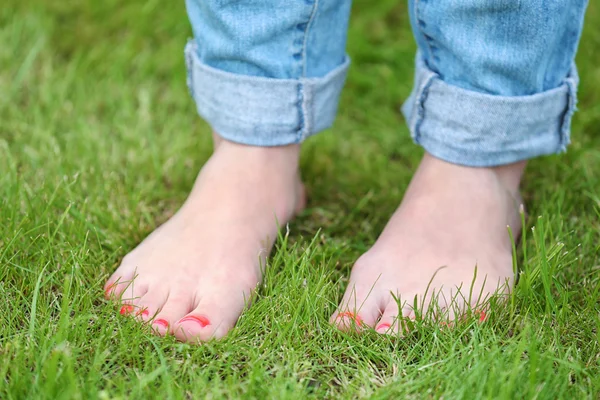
488	96
264	82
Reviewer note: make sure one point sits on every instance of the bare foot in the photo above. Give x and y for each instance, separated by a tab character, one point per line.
193	276
452	223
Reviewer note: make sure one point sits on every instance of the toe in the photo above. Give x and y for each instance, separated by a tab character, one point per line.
394	322
359	308
134	292
446	306
441	306
124	283
195	327
211	319
131	295
151	303
118	282
481	315
176	305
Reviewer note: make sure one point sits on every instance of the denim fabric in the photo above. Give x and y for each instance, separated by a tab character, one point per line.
495	80
267	73
481	130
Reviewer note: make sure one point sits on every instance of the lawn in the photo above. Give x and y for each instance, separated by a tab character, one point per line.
100	143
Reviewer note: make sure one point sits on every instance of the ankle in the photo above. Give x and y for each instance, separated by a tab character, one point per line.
510	175
268	175
287	156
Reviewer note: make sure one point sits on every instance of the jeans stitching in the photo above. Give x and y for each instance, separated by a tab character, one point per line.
313	13
422	95
426	37
565	137
302	98
301	105
195	66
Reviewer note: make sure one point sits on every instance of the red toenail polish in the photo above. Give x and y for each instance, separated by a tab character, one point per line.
385	326
143	313
108	290
357	319
203	321
161	322
482	316
126	309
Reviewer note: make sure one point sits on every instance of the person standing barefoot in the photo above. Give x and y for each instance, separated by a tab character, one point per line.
495	85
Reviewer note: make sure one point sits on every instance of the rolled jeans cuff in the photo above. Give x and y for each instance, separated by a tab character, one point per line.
261	111
482	130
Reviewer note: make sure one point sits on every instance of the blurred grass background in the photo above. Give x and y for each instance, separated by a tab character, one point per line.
100	143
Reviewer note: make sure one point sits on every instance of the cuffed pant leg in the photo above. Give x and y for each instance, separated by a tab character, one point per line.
267	73
495	79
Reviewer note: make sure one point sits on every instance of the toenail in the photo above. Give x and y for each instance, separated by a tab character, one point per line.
444	324
385	326
482	315
126	309
143	313
108	290
161	322
356	318
202	321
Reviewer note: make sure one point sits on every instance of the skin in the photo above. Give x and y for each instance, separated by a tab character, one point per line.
452	220
193	276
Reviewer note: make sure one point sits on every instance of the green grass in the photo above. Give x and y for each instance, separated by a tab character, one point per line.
100	143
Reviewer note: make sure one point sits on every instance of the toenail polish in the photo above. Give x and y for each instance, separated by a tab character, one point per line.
202	321
356	318
143	313
383	327
108	291
482	316
161	322
126	309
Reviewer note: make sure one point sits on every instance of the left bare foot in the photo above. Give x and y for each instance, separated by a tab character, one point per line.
452	223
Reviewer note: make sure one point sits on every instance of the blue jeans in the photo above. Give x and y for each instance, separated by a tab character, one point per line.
495	80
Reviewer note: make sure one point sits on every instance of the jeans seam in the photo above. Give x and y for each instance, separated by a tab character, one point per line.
304	127
426	37
313	13
302	114
421	107
571	83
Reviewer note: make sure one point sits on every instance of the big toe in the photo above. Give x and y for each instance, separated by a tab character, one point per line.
211	319
163	317
358	309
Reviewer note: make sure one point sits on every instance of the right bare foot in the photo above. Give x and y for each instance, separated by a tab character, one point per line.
193	276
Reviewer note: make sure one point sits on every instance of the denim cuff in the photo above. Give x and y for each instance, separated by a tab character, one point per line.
482	130
261	111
